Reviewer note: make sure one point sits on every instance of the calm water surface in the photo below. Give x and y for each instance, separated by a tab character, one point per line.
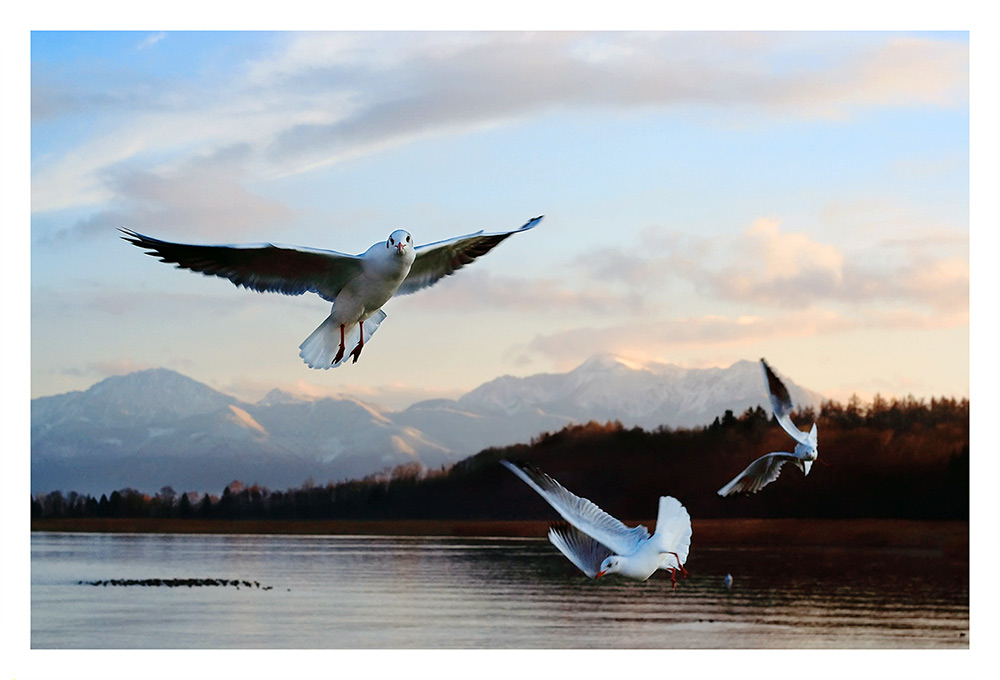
359	592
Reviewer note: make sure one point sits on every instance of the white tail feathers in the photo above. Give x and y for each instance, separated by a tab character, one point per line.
322	345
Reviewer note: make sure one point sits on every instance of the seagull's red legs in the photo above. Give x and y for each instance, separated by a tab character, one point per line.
356	352
340	352
673	571
684	572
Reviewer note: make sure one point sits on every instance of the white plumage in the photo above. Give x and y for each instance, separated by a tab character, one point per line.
766	469
599	544
357	285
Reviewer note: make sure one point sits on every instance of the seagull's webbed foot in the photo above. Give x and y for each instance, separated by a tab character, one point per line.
356	352
340	352
684	572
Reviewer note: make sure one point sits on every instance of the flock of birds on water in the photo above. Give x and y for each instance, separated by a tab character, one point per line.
359	285
177	582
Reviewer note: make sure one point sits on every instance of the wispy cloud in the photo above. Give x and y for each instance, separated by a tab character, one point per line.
105	369
339	95
103	304
151	40
479	289
664	337
769	265
463	82
202	195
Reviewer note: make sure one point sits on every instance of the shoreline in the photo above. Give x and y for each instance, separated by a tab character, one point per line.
949	536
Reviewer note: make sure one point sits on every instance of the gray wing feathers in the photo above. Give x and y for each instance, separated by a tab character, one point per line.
265	268
758	474
434	261
781	403
580	512
582	550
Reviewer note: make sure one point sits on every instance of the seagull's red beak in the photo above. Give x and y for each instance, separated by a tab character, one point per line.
600	574
400	247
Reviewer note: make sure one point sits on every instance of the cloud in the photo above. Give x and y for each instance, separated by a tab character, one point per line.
151	40
102	304
322	97
903	71
99	370
766	265
940	284
654	338
780	269
203	195
662	337
446	83
480	289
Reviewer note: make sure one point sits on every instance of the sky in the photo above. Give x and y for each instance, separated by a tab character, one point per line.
708	197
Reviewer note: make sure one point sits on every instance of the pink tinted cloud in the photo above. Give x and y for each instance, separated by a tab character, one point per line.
782	269
651	338
472	289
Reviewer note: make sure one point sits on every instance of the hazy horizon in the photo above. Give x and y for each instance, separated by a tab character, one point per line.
398	401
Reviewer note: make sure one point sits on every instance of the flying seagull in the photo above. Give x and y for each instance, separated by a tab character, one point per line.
766	469
357	285
599	544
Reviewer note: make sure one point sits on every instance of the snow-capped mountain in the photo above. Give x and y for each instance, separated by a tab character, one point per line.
144	397
606	388
159	428
156	428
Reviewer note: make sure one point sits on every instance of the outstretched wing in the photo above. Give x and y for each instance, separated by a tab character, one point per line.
673	528
781	404
434	261
758	474
582	550
265	268
580	512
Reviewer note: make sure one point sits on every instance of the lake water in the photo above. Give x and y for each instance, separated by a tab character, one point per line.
361	592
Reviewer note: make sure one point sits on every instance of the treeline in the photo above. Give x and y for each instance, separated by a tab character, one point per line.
890	458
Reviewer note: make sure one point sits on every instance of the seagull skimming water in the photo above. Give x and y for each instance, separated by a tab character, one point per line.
766	469
357	285
599	544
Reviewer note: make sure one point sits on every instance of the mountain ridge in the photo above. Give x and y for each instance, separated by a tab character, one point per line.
144	429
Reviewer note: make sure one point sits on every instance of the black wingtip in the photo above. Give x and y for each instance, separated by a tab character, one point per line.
521	463
532	222
531	470
133	237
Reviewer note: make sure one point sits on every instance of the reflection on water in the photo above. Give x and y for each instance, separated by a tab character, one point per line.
360	592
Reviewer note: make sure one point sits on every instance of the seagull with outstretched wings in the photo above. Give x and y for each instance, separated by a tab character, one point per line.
357	285
766	469
599	544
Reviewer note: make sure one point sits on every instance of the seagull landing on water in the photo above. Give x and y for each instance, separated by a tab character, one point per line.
599	544
766	469
357	285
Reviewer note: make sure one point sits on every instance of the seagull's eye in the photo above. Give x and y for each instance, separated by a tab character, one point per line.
407	238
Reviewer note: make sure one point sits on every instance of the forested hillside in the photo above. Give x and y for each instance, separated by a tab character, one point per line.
893	459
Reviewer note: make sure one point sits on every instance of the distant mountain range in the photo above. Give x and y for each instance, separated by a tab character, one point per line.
157	428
